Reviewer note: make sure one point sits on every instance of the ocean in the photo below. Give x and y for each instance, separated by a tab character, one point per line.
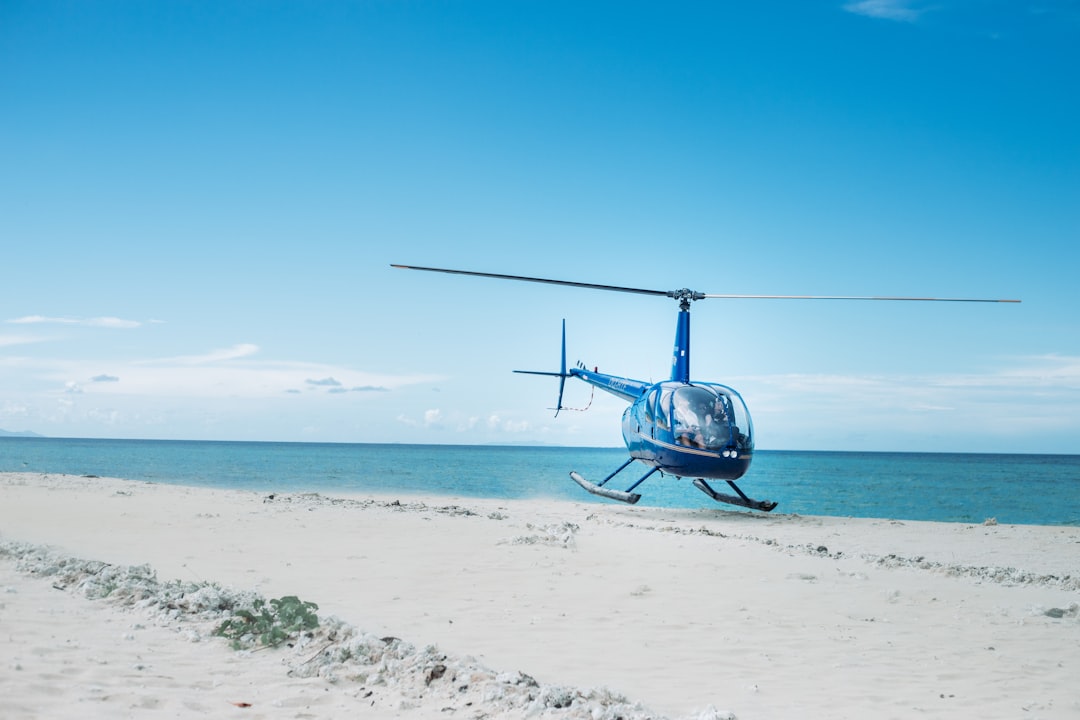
949	487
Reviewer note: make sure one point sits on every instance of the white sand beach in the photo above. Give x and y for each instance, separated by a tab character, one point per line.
467	608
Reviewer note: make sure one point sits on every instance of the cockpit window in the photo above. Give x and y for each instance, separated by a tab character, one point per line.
663	409
650	415
707	417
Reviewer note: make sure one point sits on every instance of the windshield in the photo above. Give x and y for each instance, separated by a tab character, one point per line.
710	417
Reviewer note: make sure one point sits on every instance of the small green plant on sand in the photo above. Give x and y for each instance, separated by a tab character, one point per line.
270	623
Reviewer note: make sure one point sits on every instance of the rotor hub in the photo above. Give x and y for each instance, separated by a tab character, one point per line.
685	297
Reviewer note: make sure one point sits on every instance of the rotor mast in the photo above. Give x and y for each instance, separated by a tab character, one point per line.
680	358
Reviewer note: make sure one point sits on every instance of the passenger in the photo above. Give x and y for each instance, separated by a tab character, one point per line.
687	422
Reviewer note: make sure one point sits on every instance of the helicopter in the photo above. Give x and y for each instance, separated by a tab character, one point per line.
680	427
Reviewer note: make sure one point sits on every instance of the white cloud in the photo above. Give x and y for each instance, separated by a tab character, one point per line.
105	416
517	426
1033	396
11	340
106	322
235	352
497	423
325	382
11	410
35	319
232	379
335	387
230	372
899	10
112	322
433	418
1061	371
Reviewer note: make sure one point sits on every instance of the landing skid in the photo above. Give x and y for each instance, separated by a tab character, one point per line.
626	497
630	497
741	500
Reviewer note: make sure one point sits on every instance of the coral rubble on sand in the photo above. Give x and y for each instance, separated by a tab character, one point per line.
386	670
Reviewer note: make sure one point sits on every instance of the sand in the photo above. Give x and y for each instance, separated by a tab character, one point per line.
110	591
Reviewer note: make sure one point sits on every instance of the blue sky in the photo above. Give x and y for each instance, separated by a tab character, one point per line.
199	203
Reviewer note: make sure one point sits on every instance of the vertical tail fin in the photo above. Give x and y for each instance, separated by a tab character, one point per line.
562	374
562	370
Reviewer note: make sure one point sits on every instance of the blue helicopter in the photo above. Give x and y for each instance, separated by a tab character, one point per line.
679	427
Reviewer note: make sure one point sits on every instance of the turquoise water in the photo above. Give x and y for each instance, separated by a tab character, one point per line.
1027	489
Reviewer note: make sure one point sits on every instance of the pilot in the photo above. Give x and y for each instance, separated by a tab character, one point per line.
714	423
719	411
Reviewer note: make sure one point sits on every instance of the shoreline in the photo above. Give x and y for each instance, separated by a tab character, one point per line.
682	611
947	487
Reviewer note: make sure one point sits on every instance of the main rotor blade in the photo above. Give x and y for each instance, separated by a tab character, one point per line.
690	295
856	297
591	286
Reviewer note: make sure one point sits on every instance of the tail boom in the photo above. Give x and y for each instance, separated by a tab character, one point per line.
627	389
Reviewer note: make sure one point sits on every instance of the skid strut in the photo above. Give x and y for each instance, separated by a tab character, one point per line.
741	500
627	496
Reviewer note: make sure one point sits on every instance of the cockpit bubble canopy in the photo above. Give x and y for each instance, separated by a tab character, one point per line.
711	417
